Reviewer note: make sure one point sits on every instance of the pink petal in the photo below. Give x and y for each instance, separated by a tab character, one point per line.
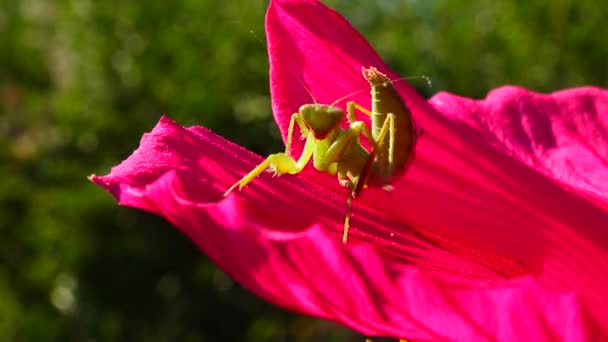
488	201
268	241
563	135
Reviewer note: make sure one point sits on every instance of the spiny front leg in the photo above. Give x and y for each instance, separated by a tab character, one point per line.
280	164
272	159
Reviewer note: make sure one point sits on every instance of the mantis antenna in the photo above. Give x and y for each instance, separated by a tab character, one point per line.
291	70
427	81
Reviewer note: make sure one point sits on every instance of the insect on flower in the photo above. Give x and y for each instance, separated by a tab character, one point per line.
338	151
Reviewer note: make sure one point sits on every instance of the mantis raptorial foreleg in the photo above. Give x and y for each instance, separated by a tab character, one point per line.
279	163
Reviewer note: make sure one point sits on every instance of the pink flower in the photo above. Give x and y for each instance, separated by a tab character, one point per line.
498	231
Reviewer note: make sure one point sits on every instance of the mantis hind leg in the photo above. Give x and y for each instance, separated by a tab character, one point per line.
279	163
349	203
354	183
351	185
388	127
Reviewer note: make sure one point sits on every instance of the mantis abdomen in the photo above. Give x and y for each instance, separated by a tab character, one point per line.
389	111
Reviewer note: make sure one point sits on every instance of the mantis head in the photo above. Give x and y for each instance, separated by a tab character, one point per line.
321	119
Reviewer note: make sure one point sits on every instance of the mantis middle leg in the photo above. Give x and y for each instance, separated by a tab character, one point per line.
296	117
351	106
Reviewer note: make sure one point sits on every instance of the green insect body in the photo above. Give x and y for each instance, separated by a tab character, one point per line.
338	151
393	129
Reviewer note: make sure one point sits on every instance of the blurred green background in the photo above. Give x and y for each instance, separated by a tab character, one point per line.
81	80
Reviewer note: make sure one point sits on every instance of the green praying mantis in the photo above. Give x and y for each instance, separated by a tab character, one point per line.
338	151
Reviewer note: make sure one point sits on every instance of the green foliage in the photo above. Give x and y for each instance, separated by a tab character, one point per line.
471	47
81	80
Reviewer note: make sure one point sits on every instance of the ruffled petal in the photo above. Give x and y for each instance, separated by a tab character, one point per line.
280	249
564	135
